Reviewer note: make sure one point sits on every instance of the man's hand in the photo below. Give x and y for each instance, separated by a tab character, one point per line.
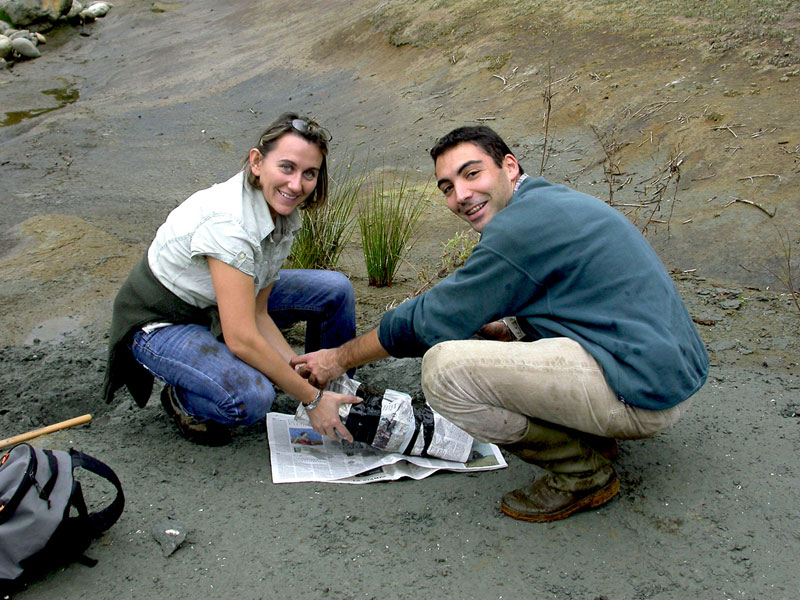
325	417
496	330
318	367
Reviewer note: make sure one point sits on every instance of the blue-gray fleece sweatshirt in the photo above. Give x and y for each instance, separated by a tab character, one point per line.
566	265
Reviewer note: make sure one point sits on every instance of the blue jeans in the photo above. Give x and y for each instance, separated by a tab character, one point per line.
213	384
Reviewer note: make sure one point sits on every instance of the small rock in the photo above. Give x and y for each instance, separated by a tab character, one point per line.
22	33
722	345
731	304
170	535
3	64
40	37
75	10
5	46
24	47
95	10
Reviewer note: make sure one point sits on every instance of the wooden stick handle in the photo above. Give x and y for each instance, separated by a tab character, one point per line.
24	437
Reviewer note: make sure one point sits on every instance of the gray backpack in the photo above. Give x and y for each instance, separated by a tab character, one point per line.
44	522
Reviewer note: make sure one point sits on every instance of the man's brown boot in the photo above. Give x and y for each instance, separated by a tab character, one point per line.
579	477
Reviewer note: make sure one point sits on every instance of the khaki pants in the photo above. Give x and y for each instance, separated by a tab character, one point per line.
490	388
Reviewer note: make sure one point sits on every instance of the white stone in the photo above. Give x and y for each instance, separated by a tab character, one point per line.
96	10
75	9
5	46
25	47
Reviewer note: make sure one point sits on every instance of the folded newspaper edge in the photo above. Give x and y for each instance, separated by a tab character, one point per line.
401	428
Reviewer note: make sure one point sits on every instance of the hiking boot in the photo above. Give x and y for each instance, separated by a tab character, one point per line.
206	433
606	446
580	475
542	502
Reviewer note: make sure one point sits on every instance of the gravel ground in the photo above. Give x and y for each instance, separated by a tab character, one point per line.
166	103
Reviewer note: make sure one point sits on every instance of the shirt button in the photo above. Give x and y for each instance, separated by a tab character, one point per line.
241	256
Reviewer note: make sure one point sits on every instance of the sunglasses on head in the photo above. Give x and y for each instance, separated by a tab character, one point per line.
310	127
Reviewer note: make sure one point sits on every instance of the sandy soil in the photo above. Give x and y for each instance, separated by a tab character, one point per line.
149	106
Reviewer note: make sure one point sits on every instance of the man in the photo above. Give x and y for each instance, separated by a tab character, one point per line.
604	347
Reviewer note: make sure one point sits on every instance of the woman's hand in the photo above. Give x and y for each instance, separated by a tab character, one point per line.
318	367
325	416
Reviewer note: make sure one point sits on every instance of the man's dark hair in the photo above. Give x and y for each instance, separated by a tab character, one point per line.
480	135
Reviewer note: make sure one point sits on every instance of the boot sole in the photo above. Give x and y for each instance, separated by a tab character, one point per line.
598	498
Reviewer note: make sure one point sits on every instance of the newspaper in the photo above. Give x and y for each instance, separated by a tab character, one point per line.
298	454
394	422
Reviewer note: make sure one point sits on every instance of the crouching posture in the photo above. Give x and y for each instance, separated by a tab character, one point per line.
202	309
584	337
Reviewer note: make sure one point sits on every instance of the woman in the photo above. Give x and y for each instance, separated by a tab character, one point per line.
202	310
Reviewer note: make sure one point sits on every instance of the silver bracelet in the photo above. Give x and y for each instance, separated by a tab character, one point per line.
313	404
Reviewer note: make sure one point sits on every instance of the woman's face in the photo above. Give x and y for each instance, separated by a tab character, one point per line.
288	173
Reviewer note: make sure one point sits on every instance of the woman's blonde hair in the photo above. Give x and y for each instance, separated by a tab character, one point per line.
309	130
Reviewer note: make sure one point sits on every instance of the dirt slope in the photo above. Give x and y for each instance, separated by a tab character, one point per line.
695	107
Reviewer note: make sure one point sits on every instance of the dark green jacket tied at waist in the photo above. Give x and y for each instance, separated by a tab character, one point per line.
142	299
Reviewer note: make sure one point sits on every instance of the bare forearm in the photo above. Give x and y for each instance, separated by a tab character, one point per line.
359	351
270	332
263	356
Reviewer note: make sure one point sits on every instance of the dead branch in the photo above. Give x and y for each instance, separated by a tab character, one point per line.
751	177
611	169
728	127
751	203
761	132
656	188
788	268
645	140
565	78
547	98
653	107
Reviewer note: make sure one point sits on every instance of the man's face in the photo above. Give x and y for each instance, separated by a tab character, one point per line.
474	187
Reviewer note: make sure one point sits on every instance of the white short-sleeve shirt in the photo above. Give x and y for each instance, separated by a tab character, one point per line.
229	221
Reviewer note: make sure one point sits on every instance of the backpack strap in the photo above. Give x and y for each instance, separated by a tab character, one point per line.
28	479
102	519
47	489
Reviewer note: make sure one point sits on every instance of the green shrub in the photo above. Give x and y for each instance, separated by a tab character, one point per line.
387	220
327	228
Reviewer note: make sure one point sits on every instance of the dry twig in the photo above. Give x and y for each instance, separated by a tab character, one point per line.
761	132
611	169
547	97
728	127
751	203
652	108
751	177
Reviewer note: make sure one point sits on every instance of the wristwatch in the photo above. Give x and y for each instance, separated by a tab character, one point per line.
513	327
313	404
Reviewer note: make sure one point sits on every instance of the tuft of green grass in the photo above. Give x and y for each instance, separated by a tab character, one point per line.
457	250
328	228
387	220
